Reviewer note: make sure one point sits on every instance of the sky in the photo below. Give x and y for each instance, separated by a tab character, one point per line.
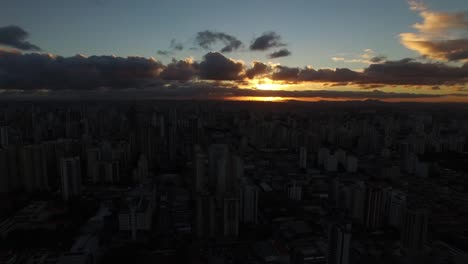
405	47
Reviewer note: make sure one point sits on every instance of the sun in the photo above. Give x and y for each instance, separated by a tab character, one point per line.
266	84
256	98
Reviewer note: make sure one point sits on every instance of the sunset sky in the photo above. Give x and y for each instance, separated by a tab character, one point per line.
210	48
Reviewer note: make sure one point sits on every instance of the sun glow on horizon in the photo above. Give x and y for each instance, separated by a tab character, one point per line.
256	98
267	84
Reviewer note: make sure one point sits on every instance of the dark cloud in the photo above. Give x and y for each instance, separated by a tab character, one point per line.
173	47
280	53
410	72
164	52
402	72
258	69
206	39
449	50
182	70
45	71
338	84
328	75
284	73
378	59
266	41
14	36
371	86
217	67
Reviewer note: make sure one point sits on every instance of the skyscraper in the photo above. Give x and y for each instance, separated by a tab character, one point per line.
33	167
4	136
339	239
92	159
249	202
397	205
140	173
357	208
235	173
231	217
334	192
414	231
199	172
205	218
331	164
4	176
294	191
303	157
70	173
374	207
218	167
351	164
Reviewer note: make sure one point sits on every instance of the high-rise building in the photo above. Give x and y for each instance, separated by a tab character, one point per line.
231	217
199	172
205	216
339	239
218	164
248	202
14	176
331	164
341	157
303	157
140	173
4	136
92	158
4	176
397	206
351	164
137	215
334	192
235	174
414	231
70	172
109	171
358	201
322	156
295	191
345	198
33	165
374	207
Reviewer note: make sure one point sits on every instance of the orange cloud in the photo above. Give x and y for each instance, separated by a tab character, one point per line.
441	35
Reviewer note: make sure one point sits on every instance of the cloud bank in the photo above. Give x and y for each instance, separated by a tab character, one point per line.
45	71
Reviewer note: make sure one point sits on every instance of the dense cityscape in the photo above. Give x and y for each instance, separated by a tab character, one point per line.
233	182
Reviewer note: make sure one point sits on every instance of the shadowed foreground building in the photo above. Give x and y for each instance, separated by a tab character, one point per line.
414	231
339	243
70	172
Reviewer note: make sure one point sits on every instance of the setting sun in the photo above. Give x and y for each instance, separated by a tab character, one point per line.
256	98
267	84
